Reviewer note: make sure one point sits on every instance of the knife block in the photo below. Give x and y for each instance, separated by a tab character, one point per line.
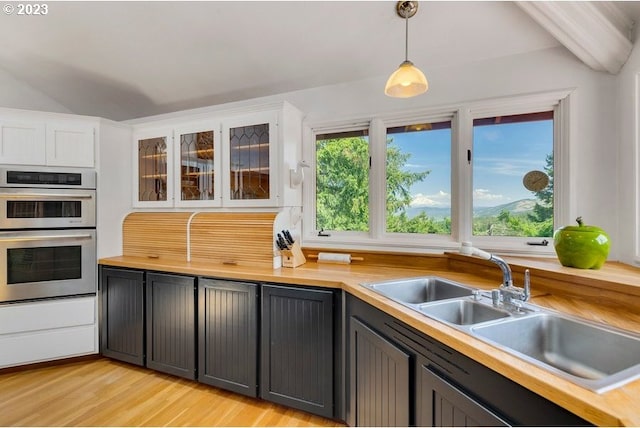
293	257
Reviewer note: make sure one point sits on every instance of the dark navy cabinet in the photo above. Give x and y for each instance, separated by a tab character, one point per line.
228	335
379	379
122	314
446	388
297	348
444	405
171	324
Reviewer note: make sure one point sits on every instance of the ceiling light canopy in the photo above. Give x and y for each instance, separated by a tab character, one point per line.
407	81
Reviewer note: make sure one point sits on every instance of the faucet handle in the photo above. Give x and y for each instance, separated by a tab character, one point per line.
527	285
496	297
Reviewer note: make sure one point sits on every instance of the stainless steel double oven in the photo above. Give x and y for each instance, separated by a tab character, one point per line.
47	233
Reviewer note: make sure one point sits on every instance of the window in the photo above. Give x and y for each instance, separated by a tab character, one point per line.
513	175
492	172
418	177
342	181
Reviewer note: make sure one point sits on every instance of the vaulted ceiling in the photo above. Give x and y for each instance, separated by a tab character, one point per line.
123	60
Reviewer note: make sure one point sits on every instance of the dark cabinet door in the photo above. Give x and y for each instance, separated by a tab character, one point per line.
228	335
379	379
444	405
122	311
171	324
297	348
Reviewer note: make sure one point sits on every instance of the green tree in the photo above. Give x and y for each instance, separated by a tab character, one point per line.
342	188
399	197
342	184
543	210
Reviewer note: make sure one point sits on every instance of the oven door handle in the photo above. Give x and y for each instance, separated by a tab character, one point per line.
44	238
43	196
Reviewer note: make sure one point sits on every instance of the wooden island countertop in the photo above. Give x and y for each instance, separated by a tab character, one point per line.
610	295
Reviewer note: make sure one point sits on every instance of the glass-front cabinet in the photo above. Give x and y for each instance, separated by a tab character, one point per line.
152	169
197	150
234	159
248	165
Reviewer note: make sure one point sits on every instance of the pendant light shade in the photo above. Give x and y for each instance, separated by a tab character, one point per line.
407	81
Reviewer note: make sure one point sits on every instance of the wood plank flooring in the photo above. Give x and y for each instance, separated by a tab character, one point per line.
104	392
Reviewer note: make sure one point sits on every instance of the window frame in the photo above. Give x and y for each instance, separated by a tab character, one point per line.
461	117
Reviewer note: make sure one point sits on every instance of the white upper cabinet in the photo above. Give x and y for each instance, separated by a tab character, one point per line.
250	158
233	159
153	168
70	144
26	139
197	165
22	142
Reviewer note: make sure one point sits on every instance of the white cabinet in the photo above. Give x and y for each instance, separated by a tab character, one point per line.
22	142
250	160
231	159
70	144
152	168
177	166
47	330
197	165
33	139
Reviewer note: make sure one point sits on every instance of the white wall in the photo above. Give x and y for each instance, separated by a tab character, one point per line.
14	93
629	158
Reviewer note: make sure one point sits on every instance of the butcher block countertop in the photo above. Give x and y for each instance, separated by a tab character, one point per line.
610	295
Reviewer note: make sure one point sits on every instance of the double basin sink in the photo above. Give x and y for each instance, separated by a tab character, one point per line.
595	356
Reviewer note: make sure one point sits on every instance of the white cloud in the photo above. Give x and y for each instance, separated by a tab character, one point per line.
440	199
485	195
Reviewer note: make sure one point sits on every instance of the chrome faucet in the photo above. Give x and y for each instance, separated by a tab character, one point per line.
509	295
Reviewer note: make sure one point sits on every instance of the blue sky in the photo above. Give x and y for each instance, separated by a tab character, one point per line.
502	155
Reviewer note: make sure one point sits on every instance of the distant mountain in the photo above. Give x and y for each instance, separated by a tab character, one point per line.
521	207
432	212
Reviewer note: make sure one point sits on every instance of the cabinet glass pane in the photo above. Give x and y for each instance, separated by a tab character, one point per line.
249	159
152	169
196	166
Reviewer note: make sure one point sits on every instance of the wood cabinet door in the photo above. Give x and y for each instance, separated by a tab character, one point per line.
122	306
297	348
171	324
379	379
442	404
228	335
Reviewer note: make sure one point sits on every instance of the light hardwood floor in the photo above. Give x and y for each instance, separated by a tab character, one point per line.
105	392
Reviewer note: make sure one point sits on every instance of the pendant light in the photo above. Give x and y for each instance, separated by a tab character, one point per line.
407	81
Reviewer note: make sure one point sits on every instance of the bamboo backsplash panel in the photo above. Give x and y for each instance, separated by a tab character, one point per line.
240	238
156	234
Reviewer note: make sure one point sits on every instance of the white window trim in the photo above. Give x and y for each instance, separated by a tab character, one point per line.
461	116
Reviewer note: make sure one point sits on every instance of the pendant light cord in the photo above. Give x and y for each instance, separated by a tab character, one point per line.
406	35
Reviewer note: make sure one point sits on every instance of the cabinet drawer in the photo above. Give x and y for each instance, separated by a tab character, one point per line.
47	345
50	314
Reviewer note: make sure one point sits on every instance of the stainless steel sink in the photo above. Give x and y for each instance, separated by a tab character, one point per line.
593	355
463	312
420	290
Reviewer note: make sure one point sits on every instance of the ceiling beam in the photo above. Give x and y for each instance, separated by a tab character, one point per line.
597	32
